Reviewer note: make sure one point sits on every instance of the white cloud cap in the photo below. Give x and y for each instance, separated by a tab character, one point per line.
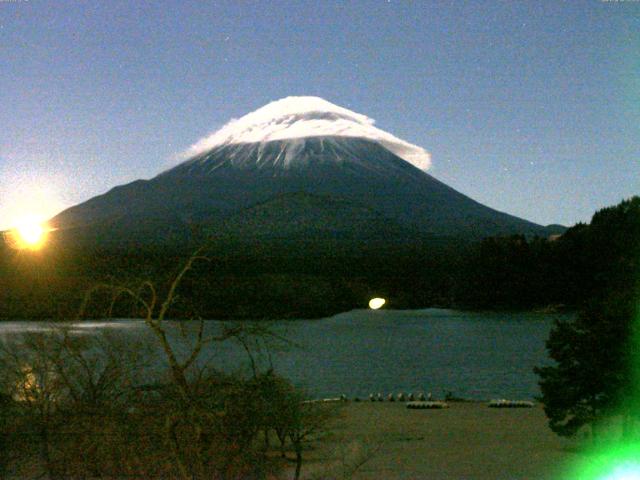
298	117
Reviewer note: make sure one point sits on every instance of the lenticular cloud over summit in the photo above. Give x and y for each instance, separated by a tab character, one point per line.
299	117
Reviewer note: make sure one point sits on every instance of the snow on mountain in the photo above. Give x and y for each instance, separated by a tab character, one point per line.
300	167
302	117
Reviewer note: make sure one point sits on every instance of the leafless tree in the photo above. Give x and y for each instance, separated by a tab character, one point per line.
195	411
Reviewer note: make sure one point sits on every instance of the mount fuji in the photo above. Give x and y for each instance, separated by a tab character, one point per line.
297	168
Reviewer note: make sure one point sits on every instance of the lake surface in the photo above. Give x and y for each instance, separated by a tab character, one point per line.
473	355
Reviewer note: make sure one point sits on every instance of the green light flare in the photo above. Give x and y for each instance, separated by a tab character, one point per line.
615	459
618	462
635	355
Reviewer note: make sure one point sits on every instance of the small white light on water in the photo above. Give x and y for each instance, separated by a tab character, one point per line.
376	303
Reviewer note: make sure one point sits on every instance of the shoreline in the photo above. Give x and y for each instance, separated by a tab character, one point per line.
291	318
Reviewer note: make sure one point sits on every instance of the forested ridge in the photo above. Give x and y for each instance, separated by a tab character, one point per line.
258	278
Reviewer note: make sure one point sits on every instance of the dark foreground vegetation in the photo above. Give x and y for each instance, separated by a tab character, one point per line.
95	406
596	374
274	278
77	408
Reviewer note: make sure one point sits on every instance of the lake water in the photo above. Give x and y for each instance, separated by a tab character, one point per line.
474	355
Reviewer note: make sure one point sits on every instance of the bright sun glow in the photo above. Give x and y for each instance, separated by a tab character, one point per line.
28	234
376	303
31	234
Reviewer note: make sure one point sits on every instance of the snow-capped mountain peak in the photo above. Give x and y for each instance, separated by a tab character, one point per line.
301	117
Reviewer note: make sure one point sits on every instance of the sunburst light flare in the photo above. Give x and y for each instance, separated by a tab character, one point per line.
29	233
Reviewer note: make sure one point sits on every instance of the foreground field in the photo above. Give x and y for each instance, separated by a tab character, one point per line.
466	441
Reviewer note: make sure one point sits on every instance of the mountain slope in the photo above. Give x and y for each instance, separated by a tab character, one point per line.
351	173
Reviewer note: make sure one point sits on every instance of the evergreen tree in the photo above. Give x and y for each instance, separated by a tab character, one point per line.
597	369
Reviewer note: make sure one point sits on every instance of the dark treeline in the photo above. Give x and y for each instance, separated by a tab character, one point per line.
261	279
595	374
569	270
270	278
